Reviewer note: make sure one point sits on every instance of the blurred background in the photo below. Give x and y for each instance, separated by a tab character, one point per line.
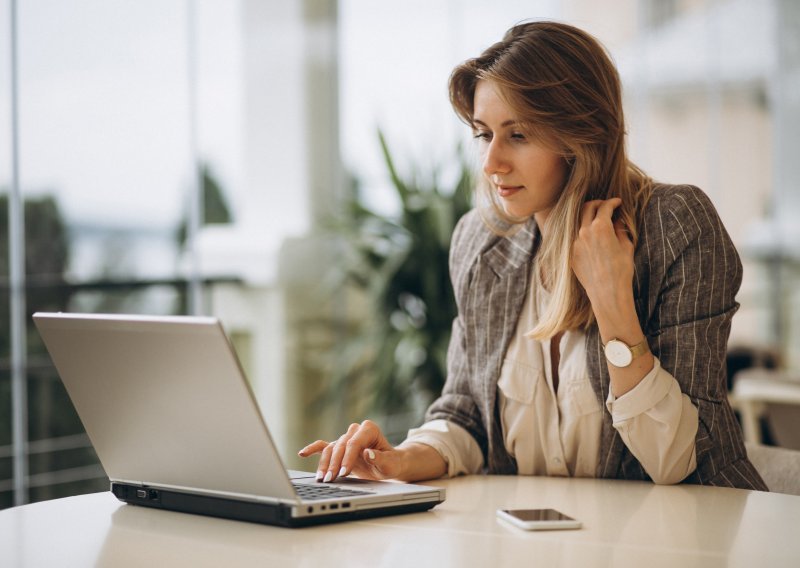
294	168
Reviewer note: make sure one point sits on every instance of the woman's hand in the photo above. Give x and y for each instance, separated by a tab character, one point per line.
362	450
602	257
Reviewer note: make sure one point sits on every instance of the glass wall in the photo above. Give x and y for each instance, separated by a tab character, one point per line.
183	156
125	114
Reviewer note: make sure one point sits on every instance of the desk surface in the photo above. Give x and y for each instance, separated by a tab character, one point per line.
625	524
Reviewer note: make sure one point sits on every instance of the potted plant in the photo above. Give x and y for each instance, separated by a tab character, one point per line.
394	357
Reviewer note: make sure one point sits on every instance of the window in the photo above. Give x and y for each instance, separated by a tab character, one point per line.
109	152
141	124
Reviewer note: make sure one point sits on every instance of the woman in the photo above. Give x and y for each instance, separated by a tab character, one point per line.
594	304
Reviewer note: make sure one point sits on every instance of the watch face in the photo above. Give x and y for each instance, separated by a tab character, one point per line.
618	354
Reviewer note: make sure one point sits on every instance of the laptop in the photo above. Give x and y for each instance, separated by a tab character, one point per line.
175	424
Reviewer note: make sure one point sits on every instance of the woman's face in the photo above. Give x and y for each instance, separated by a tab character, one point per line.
526	175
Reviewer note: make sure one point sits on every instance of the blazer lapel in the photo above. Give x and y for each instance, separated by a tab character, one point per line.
497	293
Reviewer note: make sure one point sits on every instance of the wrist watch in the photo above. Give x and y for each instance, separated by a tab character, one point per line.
620	354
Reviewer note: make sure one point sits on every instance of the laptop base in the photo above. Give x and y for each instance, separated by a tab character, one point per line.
263	513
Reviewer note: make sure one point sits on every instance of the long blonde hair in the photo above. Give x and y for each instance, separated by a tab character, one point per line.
560	83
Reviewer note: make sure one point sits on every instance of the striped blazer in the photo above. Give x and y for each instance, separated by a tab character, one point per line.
687	273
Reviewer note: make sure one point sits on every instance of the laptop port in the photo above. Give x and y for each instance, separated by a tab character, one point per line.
153	494
141	493
334	506
311	509
345	505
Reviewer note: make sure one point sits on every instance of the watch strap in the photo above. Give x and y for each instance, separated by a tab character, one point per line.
639	349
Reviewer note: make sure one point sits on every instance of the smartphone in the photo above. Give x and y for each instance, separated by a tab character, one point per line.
538	519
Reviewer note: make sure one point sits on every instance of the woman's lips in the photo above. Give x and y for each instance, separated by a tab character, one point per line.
508	190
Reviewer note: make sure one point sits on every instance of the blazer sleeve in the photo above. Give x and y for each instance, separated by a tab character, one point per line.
687	276
456	403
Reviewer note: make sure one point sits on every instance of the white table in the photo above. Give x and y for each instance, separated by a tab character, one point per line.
625	524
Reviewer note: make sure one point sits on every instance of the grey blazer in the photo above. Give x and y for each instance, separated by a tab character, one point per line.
687	273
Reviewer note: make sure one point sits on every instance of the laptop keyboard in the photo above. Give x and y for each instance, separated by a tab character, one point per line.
321	491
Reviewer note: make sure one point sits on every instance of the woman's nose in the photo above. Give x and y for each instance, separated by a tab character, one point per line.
494	159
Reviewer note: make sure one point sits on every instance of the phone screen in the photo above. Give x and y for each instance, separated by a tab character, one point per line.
538	515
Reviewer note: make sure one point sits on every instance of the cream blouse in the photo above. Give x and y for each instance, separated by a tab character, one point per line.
557	433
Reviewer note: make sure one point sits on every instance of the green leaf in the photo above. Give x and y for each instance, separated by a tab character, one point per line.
397	354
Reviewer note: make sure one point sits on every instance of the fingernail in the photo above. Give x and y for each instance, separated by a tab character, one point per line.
342	472
319	475
328	477
371	454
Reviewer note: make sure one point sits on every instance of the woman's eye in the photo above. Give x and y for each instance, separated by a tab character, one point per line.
482	135
517	136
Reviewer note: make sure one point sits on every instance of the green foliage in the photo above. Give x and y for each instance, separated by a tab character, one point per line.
50	413
397	356
215	212
46	257
215	206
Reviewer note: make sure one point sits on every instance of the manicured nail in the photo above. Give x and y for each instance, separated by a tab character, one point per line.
342	472
328	477
319	475
371	454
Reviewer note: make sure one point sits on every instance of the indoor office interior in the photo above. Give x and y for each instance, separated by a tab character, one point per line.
294	169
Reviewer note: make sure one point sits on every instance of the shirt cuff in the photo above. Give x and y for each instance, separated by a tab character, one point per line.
457	447
650	391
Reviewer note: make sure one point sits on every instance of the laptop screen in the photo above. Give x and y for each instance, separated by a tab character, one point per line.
162	398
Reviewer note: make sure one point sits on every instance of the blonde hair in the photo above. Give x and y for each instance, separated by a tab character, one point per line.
561	84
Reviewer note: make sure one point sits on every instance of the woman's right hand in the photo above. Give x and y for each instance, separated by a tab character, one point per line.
363	450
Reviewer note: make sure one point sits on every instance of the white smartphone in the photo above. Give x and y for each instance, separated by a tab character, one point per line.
538	519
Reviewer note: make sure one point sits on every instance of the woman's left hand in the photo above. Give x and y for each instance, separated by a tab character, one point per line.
602	256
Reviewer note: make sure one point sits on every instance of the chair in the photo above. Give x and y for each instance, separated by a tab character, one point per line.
779	467
770	397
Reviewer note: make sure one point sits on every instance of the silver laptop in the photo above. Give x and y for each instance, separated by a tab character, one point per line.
175	425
